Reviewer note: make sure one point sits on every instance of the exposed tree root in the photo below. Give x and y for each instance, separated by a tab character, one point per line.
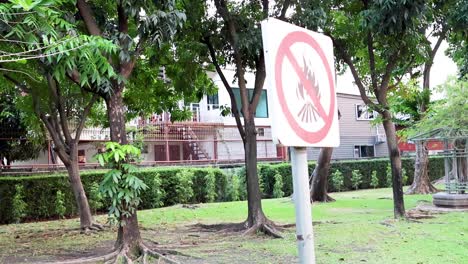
111	255
148	252
322	199
224	227
123	255
91	228
268	228
421	189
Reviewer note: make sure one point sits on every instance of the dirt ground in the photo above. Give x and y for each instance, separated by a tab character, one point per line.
192	244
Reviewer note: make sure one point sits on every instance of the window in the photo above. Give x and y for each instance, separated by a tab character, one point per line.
364	113
364	151
262	107
81	156
212	101
261	132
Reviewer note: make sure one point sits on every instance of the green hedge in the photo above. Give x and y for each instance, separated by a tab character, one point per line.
365	167
182	185
40	191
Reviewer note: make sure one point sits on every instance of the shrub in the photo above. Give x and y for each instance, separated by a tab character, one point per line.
242	187
404	176
266	173
389	175
278	186
233	189
337	180
156	191
183	188
210	186
59	203
95	198
284	169
19	206
356	179
374	180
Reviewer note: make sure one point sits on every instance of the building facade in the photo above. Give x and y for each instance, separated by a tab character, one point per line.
359	136
212	138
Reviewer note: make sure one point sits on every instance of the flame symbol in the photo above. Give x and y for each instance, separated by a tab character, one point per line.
308	112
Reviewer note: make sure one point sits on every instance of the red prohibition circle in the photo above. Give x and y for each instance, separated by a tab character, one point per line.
284	51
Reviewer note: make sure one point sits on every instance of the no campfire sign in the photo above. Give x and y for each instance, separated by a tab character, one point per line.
301	81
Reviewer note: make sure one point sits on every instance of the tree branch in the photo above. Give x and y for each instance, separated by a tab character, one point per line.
54	91
234	109
222	9
74	76
83	116
56	137
126	67
265	8
21	86
430	61
407	69
370	50
18	71
347	59
260	75
123	19
88	17
381	95
60	146
286	5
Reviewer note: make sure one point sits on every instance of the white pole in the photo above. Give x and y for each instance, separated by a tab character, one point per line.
304	231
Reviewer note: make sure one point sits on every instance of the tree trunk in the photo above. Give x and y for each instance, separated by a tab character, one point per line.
395	163
254	196
421	183
116	116
86	218
319	182
128	237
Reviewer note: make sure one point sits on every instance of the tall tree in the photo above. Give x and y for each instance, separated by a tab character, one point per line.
37	53
140	29
232	36
438	15
410	101
377	40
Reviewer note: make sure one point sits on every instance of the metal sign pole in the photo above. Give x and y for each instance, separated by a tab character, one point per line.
304	231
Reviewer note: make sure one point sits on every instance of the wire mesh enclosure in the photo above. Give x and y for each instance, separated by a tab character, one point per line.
455	158
456	165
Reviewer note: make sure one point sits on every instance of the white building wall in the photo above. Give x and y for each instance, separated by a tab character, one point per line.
224	99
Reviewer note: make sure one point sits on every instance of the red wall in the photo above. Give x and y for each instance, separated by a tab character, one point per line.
432	145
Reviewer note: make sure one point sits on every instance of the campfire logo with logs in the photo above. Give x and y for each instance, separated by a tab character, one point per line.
308	112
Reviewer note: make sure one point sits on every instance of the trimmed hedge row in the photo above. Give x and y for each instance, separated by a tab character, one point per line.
365	167
169	186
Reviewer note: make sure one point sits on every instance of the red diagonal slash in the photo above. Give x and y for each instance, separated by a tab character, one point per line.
306	83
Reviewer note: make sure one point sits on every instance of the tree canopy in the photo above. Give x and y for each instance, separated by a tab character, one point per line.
17	141
450	115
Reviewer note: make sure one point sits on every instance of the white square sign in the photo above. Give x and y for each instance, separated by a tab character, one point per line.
300	74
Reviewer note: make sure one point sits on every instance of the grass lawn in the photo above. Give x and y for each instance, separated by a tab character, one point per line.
357	228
